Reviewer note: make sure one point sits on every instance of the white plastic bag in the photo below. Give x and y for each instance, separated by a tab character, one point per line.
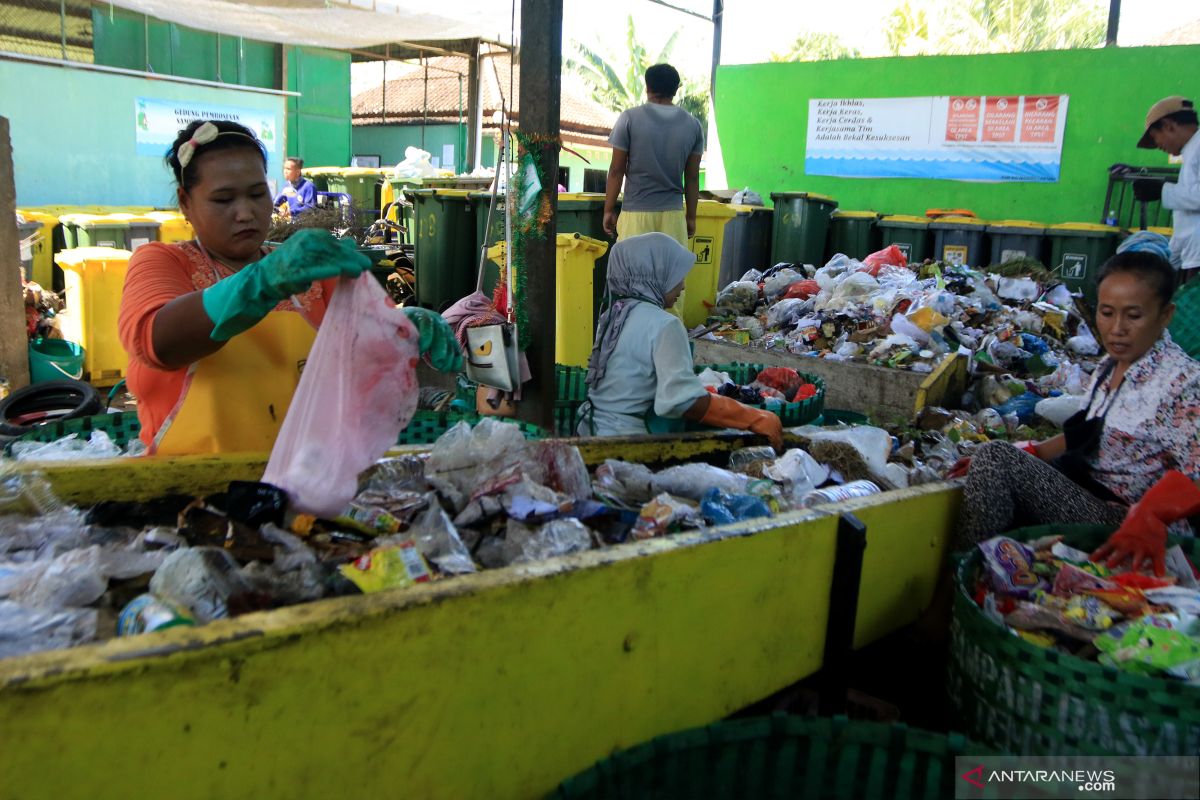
357	392
416	164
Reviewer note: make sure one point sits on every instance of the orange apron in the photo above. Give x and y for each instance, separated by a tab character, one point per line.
235	399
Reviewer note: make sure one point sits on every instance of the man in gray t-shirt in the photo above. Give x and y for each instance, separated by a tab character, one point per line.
656	153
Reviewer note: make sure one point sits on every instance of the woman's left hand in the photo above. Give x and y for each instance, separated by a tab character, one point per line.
437	339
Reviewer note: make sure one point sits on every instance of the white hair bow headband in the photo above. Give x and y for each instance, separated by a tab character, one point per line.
203	135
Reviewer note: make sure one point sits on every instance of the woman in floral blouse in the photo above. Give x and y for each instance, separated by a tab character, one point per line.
1131	456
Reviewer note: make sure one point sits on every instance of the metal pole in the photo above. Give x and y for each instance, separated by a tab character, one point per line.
1114	21
717	20
387	53
541	81
474	110
425	103
843	612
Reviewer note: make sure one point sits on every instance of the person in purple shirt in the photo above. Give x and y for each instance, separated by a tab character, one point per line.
298	191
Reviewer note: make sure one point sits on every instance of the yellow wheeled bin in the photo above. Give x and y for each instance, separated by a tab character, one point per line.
700	286
574	262
498	684
172	226
94	278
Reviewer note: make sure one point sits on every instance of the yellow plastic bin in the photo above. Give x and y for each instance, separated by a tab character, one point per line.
172	226
94	278
700	287
41	249
575	261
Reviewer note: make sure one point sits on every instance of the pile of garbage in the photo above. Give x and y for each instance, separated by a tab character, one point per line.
1051	595
1026	340
483	498
772	386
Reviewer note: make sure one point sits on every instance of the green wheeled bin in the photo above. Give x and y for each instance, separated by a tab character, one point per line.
446	258
364	185
1017	238
320	176
959	240
800	227
910	234
92	230
1078	250
747	242
853	233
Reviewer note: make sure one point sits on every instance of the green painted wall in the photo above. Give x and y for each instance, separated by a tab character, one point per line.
79	147
318	122
762	119
134	41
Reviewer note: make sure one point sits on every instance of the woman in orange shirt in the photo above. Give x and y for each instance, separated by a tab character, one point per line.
218	328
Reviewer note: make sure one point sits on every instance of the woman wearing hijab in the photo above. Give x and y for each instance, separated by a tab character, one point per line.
641	364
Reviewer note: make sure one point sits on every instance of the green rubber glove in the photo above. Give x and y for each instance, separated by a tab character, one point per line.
237	303
437	339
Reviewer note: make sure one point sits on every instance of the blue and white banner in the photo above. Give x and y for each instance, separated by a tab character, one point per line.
978	138
158	122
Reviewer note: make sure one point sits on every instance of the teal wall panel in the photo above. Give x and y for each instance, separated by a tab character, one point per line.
80	148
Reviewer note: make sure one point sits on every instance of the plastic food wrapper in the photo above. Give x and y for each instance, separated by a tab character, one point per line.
693	481
751	325
786	313
1179	597
438	541
357	392
1147	649
1090	612
470	458
1032	617
663	514
69	580
147	613
1010	567
559	537
1181	568
802	290
798	470
29	630
389	567
1073	580
528	500
68	448
205	581
720	508
1128	602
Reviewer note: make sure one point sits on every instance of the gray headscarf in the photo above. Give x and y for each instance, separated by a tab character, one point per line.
640	269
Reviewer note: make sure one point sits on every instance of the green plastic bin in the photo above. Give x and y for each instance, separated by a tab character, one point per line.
1017	238
853	233
800	226
1185	325
1020	699
320	176
91	230
780	756
446	259
364	186
142	230
910	234
747	242
1077	251
959	240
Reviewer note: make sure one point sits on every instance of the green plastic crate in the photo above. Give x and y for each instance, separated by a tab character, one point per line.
122	427
779	756
1185	325
426	426
1020	699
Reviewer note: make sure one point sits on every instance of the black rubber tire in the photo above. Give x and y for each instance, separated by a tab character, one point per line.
75	398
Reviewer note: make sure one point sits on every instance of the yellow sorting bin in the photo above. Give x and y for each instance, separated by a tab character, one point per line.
94	278
172	227
574	263
700	287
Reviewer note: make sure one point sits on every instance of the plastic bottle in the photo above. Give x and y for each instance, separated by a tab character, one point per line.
1111	218
836	494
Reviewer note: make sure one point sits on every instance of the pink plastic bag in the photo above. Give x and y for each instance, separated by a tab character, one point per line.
890	256
357	392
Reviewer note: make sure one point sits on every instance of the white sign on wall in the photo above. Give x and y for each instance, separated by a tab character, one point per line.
158	122
976	138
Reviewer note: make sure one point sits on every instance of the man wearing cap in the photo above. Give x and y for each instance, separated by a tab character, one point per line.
1171	126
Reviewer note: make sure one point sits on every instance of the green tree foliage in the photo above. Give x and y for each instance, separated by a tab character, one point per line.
618	82
920	27
817	47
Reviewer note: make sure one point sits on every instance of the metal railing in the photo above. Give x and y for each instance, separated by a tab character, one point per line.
1124	210
58	29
